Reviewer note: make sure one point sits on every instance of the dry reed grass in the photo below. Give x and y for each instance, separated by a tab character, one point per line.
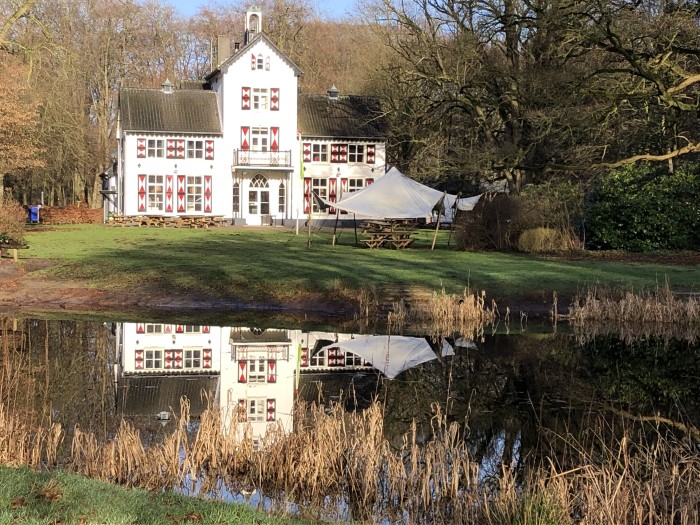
445	314
659	307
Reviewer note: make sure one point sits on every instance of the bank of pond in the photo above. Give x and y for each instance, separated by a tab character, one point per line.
346	422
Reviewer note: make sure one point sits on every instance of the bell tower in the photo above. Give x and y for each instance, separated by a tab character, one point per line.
253	23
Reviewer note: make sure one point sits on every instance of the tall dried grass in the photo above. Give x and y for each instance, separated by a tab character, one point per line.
657	307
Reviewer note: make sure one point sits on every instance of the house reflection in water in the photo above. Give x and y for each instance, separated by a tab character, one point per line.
250	373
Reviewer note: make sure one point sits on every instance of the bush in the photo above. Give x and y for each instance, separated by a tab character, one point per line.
13	219
644	208
540	240
498	222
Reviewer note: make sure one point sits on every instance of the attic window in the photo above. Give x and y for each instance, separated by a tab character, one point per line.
333	93
260	62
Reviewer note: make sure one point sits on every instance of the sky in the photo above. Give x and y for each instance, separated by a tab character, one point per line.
329	8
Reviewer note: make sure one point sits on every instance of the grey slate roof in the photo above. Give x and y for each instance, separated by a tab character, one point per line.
182	111
148	395
342	117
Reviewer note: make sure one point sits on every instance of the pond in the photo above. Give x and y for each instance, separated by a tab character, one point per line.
340	421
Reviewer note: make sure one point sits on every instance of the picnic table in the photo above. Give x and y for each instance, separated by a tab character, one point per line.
396	234
6	245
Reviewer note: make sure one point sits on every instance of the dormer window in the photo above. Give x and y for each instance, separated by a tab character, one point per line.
260	62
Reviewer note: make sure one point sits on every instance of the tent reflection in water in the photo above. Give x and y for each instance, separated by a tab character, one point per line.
391	355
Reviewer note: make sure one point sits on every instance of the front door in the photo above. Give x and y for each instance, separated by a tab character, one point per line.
259	201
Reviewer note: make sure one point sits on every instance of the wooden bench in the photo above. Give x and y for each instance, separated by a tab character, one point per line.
5	247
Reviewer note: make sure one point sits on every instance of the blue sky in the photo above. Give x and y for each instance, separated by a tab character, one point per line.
329	8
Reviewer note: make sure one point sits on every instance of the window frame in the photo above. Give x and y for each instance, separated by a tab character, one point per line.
194	149
155	193
155	148
356	153
194	193
319	152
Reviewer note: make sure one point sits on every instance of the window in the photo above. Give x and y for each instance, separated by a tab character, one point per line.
318	359
193	359
260	62
282	198
156	148
256	409
154	359
320	188
256	371
355	184
155	193
236	197
356	153
260	98
194	193
353	360
319	152
154	328
193	329
258	139
195	149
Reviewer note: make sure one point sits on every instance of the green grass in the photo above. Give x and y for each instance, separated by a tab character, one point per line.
29	498
274	264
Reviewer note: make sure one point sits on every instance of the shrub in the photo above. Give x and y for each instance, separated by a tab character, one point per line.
540	240
490	225
645	208
13	219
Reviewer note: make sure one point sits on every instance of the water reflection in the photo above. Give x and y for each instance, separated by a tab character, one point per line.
517	402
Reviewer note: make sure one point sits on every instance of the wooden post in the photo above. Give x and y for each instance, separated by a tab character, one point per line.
335	226
354	220
442	206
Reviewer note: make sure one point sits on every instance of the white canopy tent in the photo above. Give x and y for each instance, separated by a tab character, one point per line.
396	196
390	355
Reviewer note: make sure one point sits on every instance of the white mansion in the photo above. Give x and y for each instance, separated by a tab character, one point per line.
244	143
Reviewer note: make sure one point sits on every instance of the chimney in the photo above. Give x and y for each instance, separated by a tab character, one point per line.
223	49
236	47
167	86
333	93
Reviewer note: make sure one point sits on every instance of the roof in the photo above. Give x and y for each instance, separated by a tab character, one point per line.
181	111
149	395
243	51
342	117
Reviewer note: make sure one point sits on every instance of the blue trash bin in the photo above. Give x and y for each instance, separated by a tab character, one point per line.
34	214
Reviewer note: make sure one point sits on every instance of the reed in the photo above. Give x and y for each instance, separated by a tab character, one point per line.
660	306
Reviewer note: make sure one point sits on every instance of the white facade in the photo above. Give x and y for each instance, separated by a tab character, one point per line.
260	168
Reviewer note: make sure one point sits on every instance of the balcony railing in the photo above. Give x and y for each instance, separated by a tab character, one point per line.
281	159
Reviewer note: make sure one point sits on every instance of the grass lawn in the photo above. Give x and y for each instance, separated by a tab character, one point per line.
275	264
29	498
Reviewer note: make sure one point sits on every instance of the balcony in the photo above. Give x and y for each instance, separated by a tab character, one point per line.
266	159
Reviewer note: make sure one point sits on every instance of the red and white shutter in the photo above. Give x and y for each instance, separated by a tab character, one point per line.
170	148
370	153
368	182
274	139
168	193
206	358
253	61
180	149
177	359
142	193
242	411
332	192
306	152
140	328
180	329
207	194
304	357
245	98
180	194
274	99
168	359
307	194
271	409
339	152
141	148
245	138
138	361
272	371
209	149
242	371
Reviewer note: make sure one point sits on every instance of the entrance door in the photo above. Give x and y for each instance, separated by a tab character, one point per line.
259	201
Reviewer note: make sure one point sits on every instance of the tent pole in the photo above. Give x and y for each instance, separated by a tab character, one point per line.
354	220
442	207
308	221
454	215
335	226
